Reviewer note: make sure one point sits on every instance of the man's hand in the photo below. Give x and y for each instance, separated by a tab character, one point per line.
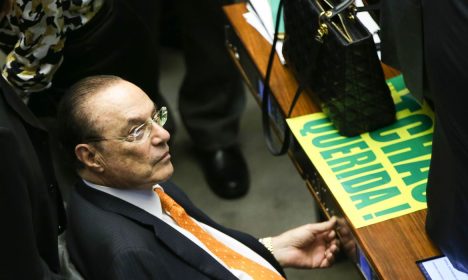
307	246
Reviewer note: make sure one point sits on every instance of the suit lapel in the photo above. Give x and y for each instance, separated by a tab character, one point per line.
173	239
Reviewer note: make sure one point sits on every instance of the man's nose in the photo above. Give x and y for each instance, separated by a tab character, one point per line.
159	134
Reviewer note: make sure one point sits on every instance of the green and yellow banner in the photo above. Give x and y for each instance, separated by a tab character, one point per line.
379	175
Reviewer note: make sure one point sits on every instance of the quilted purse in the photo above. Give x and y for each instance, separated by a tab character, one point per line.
331	53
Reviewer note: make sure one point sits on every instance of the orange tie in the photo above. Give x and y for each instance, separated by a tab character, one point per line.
228	256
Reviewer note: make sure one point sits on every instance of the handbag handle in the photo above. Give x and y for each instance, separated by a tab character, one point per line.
265	99
266	96
337	9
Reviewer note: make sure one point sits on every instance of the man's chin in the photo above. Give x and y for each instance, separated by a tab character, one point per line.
166	174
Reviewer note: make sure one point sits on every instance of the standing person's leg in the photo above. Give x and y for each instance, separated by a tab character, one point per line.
211	98
445	29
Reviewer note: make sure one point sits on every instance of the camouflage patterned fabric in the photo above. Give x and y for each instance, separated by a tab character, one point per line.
33	35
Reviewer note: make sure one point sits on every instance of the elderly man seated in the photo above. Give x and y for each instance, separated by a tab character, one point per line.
127	222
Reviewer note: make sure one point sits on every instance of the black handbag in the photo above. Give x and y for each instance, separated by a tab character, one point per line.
331	53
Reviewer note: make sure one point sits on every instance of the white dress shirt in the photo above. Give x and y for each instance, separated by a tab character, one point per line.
148	201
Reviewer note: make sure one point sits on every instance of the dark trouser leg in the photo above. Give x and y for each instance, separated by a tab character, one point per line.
211	98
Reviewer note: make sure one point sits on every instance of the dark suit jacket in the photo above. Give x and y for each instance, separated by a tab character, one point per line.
31	208
109	238
402	42
447	186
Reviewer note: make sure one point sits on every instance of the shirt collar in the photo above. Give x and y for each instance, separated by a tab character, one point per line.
147	200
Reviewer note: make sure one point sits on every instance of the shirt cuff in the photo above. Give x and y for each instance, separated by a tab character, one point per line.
266	241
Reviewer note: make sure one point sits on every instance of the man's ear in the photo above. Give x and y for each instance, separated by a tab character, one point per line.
90	157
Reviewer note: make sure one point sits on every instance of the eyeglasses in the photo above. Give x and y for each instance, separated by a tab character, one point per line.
141	132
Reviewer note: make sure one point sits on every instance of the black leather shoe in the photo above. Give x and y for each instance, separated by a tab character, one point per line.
225	171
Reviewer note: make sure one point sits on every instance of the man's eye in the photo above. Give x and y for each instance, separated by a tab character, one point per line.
138	132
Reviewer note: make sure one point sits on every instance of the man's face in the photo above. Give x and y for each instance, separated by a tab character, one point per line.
115	112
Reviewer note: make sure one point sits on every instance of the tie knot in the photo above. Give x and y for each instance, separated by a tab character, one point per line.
160	192
168	204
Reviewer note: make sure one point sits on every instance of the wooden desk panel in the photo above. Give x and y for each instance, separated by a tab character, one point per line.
392	247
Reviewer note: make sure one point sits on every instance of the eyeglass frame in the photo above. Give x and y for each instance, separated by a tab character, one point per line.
159	118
